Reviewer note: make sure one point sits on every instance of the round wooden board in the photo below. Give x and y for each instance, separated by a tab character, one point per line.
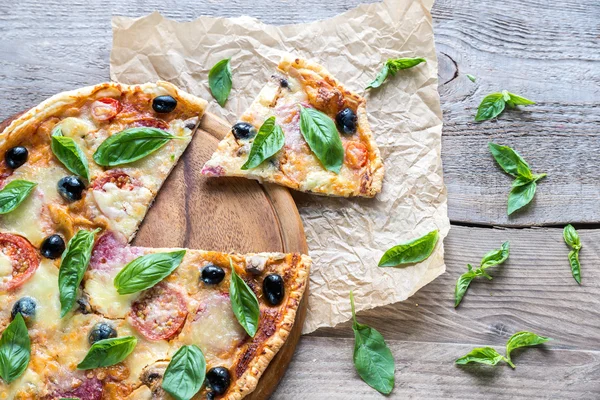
225	214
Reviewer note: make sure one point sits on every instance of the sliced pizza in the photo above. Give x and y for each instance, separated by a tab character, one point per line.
306	131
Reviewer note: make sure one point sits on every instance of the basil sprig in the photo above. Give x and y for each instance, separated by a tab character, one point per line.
244	303
391	67
372	358
15	350
107	352
13	194
494	257
185	373
146	271
572	240
73	265
489	356
411	252
322	137
493	104
69	154
268	141
524	186
131	145
219	81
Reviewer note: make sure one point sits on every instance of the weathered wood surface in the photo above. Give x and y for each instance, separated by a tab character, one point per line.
545	50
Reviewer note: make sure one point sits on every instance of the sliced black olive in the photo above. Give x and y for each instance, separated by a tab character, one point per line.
273	289
164	104
26	306
52	247
212	274
71	188
102	331
16	157
218	379
346	121
243	130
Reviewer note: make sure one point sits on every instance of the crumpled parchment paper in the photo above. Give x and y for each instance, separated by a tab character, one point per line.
346	237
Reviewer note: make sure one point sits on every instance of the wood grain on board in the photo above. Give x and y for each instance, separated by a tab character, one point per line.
546	50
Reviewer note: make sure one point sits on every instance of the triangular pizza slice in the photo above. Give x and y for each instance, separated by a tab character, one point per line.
306	131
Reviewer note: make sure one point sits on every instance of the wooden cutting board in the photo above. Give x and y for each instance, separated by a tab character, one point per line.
225	214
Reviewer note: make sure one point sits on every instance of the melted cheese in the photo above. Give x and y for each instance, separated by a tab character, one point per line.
85	134
29	382
43	287
104	297
6	267
145	353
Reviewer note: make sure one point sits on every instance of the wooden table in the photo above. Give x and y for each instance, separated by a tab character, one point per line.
546	50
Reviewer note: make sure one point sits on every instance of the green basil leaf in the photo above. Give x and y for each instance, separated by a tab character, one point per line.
411	252
73	265
516	100
14	193
571	237
520	196
185	373
146	271
523	339
107	352
219	81
490	107
244	303
471	78
322	137
462	284
380	78
575	265
511	162
268	141
392	66
69	154
372	358
495	257
131	145
483	355
15	350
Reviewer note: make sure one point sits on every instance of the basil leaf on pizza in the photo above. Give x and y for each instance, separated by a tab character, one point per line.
268	141
13	194
219	81
411	252
146	271
391	67
243	302
69	154
322	137
107	352
15	350
131	145
185	373
73	265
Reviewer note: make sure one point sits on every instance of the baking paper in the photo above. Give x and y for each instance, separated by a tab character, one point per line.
346	237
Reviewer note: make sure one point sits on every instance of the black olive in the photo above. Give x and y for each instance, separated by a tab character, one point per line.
273	289
52	247
346	121
212	274
26	306
16	157
101	331
218	379
164	104
243	130
71	188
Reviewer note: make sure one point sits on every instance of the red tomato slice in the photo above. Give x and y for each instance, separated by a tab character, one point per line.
105	108
119	178
152	123
23	255
159	313
356	155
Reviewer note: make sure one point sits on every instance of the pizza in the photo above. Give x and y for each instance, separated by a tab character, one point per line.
88	316
324	145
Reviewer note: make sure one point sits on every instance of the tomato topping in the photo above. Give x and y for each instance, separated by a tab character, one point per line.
105	108
152	123
356	155
159	313
23	255
119	178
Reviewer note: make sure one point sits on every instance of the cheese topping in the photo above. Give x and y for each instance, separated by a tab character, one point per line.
104	297
6	267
